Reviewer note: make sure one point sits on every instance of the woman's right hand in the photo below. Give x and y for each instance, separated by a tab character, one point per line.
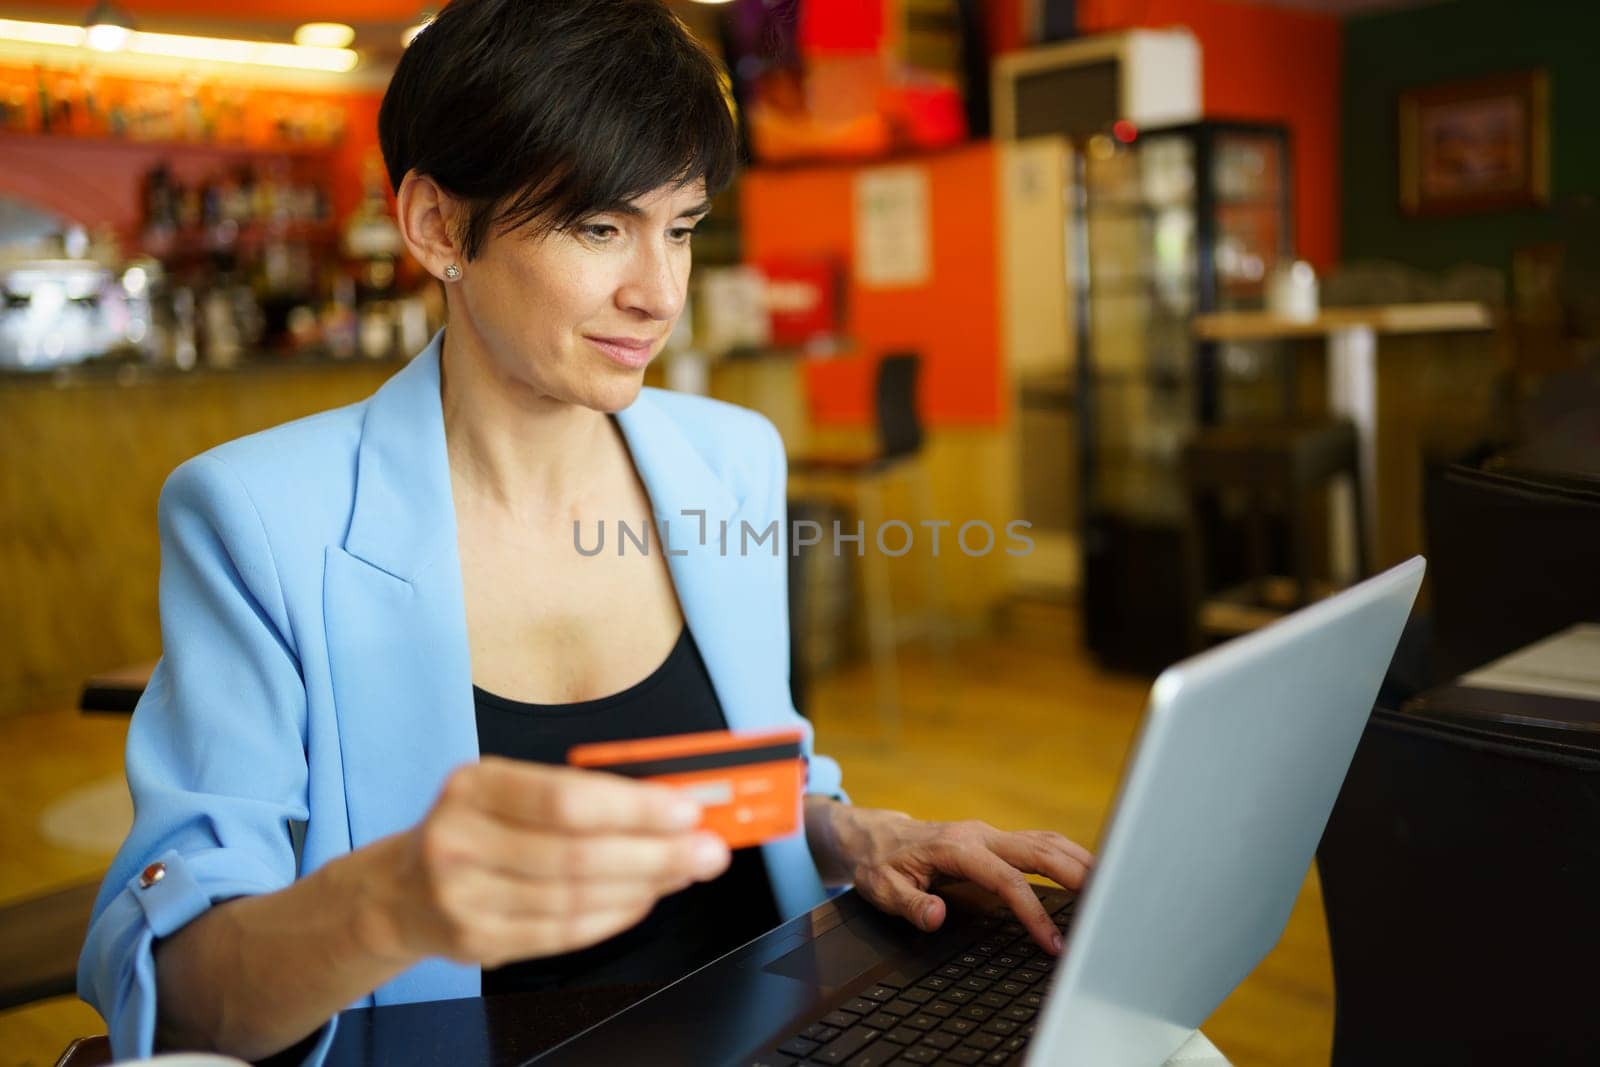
518	860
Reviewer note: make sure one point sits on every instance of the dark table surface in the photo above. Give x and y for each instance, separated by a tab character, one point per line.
496	1031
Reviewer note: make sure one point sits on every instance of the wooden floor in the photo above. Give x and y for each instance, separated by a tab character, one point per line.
1019	730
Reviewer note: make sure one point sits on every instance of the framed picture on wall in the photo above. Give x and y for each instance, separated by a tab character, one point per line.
1475	146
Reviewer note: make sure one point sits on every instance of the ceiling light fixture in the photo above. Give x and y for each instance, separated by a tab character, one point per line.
324	35
107	28
52	33
225	50
179	46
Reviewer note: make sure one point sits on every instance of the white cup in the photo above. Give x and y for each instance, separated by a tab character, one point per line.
1292	290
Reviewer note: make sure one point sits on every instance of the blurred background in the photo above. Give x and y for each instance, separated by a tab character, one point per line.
1165	316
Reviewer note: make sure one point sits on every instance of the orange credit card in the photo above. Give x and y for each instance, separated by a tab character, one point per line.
748	785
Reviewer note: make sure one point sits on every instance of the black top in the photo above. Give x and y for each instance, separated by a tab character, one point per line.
684	930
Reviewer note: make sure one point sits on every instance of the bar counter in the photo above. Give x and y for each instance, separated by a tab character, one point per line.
84	451
127	371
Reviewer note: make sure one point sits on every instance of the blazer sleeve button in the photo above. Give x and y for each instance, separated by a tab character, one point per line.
152	874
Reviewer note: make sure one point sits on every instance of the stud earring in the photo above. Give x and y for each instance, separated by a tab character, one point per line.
452	272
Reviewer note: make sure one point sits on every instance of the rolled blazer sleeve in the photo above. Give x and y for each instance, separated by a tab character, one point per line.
823	776
216	757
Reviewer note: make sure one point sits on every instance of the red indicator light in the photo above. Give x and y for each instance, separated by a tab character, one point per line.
1124	131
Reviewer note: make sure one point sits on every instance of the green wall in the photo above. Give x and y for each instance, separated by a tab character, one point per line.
1443	42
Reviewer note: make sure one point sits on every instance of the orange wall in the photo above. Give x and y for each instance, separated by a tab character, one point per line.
953	320
1263	62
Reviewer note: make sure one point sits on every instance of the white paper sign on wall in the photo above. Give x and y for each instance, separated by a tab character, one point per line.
893	234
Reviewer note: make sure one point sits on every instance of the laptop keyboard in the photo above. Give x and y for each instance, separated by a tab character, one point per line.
973	1006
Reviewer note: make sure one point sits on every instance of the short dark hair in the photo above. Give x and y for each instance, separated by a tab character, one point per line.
539	113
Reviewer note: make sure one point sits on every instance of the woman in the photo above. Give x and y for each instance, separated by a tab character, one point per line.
380	637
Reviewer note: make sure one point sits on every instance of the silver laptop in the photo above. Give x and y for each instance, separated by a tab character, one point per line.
1224	797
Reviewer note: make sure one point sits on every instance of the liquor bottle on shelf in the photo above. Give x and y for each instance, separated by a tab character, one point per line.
223	343
230	116
42	95
188	207
91	114
185	347
64	107
372	238
160	207
261	190
194	126
339	322
13	107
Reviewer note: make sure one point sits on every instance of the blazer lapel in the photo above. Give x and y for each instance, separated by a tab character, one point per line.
692	507
397	635
395	613
727	593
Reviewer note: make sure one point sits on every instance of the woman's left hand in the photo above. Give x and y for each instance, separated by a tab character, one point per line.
894	860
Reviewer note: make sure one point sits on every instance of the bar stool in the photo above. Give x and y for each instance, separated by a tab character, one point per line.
860	480
1270	463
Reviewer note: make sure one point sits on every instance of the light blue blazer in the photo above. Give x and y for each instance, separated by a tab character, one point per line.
316	687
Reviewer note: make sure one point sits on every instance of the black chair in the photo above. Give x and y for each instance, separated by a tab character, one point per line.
1513	545
1461	864
898	424
1459	873
1279	467
859	479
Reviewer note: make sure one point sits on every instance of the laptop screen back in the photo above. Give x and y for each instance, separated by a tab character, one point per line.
1237	765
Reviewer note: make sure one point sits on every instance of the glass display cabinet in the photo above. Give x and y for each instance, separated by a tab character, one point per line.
1173	222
